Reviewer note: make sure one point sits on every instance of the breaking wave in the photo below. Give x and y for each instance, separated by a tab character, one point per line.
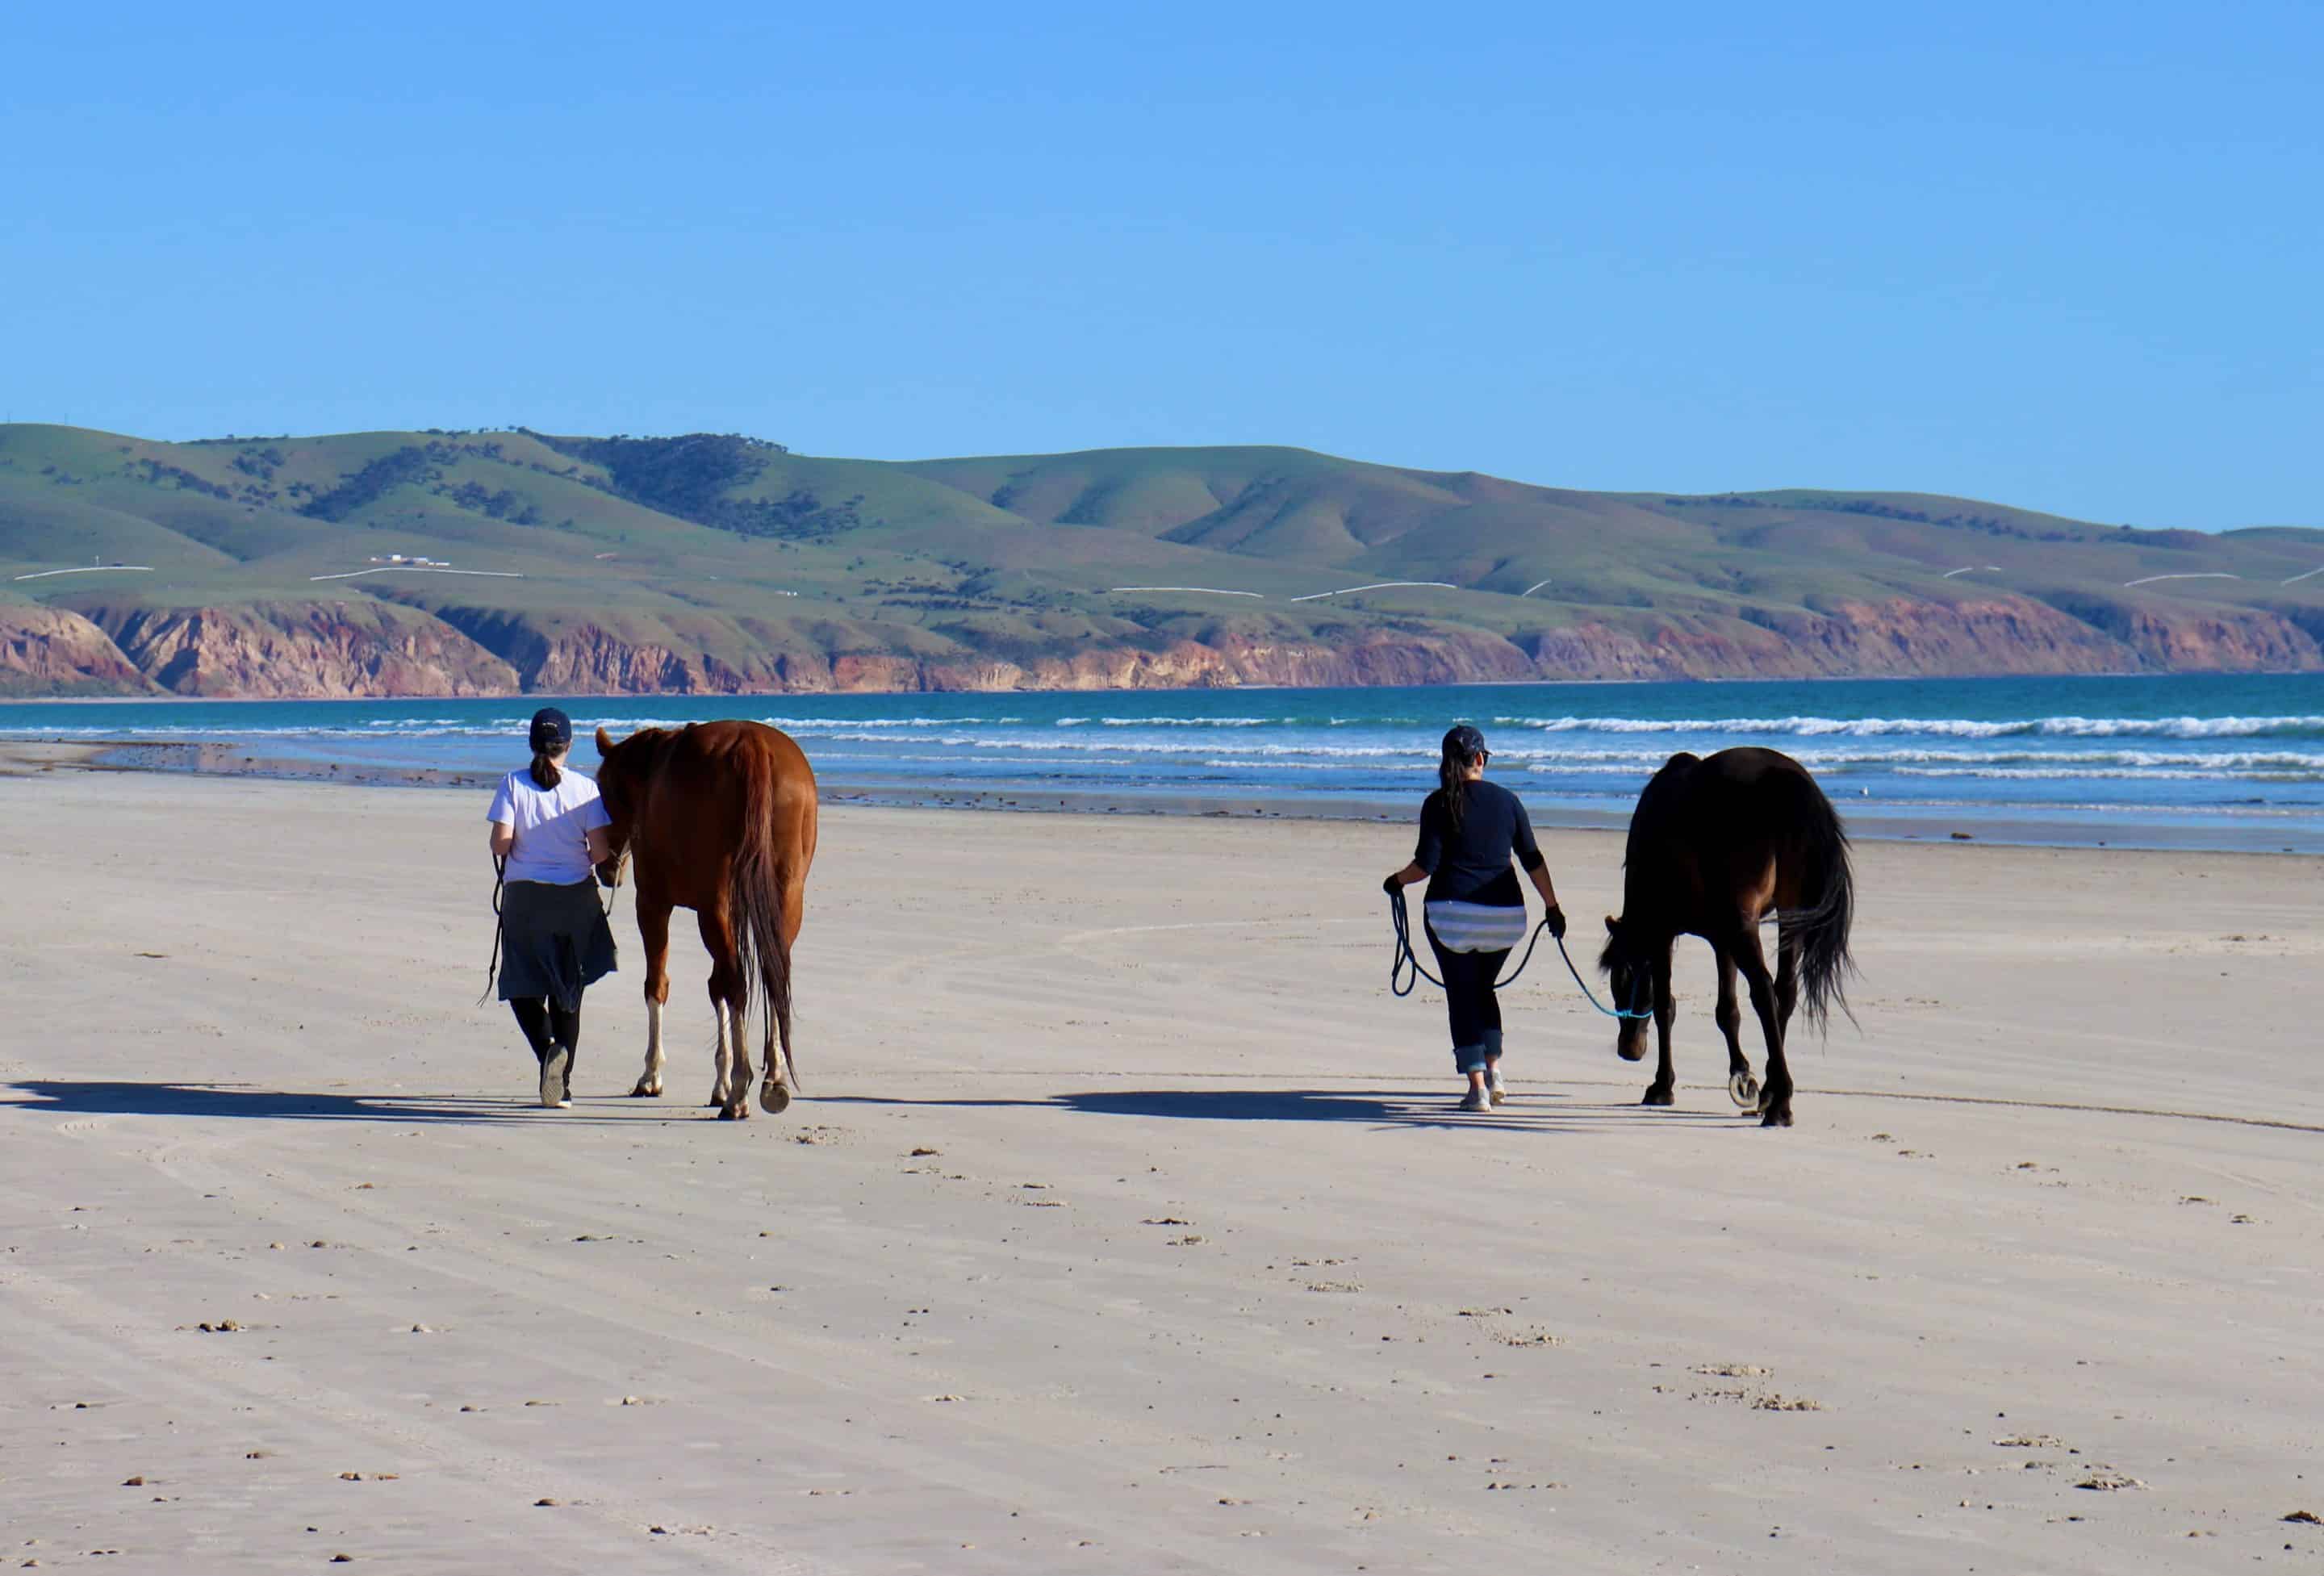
2275	727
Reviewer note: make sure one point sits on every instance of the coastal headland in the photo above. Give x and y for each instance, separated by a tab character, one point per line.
470	563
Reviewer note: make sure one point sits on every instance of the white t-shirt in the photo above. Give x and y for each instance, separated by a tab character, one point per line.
552	825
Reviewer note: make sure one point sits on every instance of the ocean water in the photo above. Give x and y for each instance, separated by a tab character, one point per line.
2181	761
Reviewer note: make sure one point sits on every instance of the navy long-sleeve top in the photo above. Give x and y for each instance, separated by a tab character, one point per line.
1471	863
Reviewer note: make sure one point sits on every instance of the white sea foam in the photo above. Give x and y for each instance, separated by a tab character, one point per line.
2104	774
1936	727
791	724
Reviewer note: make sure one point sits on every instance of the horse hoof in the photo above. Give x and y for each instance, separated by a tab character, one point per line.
645	1090
734	1111
1779	1117
1743	1089
774	1098
1657	1095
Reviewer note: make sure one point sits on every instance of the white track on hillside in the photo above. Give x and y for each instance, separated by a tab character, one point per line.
1197	590
407	569
1375	585
85	569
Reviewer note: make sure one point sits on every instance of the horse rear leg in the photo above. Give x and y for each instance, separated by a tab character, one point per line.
775	1093
1739	1081
1775	1095
653	930
729	1000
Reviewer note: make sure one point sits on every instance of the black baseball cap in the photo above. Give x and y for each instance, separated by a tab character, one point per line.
552	729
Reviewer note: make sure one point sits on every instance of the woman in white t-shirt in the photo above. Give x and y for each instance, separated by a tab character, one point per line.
548	828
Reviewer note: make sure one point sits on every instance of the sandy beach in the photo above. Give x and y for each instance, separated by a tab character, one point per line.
1125	1224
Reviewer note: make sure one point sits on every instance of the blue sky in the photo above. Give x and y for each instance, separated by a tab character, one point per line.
2060	257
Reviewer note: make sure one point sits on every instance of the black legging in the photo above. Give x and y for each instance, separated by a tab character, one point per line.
1469	1002
546	1027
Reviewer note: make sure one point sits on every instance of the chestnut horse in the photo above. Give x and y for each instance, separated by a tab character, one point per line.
1715	846
720	817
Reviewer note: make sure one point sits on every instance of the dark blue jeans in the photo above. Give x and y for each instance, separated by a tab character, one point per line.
1469	1002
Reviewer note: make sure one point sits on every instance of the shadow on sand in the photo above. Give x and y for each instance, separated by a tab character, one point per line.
92	1098
1534	1112
1386	1108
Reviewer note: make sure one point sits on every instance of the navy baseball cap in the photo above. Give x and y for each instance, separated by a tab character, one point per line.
552	729
1464	742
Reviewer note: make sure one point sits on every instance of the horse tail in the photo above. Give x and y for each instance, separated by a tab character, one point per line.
754	900
1819	930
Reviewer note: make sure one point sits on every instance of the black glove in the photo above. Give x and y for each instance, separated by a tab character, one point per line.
1392	886
1555	920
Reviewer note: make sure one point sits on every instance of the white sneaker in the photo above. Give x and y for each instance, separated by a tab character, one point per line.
552	1080
1476	1099
1494	1087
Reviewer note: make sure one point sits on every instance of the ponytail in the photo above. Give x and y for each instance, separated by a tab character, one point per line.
545	775
1462	748
1453	778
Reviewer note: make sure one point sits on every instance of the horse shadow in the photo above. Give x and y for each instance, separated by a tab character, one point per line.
98	1097
1379	1108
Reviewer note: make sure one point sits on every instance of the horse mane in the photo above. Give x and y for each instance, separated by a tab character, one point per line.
632	759
1655	797
1654	802
1645	827
627	765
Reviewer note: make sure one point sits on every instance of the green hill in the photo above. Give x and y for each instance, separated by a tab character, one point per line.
477	562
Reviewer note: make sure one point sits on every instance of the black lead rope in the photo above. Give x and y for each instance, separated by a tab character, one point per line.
1403	971
500	884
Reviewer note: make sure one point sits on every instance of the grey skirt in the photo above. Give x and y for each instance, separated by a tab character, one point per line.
554	941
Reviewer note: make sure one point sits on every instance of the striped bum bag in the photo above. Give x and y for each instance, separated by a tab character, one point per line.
1475	926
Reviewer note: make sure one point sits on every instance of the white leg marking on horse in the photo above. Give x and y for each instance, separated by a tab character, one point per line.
724	1060
650	1080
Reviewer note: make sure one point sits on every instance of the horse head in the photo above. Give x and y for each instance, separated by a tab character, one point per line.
623	771
1630	974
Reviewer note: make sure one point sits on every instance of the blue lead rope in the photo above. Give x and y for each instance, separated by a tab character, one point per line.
1405	973
1608	1012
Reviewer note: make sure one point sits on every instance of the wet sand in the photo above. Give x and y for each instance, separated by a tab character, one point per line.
1125	1223
2088	827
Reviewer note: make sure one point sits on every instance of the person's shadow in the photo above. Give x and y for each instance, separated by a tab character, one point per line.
92	1097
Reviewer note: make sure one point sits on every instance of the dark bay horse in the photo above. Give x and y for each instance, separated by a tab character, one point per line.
1715	846
720	818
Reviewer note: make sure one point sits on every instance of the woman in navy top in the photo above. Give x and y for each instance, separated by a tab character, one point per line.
1475	911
